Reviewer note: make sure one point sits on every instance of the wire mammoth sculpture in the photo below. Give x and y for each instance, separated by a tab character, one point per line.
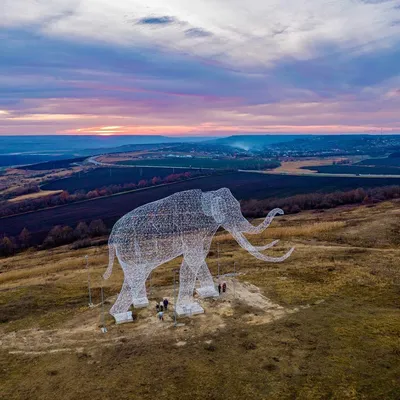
181	224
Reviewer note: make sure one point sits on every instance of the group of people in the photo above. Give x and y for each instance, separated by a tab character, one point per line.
161	307
222	287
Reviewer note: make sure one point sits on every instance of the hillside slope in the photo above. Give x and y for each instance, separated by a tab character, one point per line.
323	324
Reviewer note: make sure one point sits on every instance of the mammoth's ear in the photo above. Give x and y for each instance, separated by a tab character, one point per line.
218	209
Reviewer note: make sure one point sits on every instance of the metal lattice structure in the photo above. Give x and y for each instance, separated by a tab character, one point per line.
181	224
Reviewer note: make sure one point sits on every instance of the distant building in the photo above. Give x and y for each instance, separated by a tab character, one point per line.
179	156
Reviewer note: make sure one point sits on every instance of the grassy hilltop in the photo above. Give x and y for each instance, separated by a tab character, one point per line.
324	324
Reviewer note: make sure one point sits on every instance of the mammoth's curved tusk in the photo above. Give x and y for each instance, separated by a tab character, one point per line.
255	252
265	224
267	246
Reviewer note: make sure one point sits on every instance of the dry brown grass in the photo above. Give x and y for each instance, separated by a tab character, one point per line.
340	341
42	193
15	179
287	232
294	167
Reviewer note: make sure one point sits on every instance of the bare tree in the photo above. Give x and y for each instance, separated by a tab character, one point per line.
81	231
97	228
7	247
24	238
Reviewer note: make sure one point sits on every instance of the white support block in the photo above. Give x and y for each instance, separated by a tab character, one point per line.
187	310
141	303
208	291
122	318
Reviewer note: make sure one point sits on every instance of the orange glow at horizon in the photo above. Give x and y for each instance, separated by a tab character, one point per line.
209	129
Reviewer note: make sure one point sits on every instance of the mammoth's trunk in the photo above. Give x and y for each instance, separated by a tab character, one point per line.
249	228
255	251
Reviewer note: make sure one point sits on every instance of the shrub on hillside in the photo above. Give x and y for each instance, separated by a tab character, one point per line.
81	231
81	244
58	236
7	247
97	228
24	238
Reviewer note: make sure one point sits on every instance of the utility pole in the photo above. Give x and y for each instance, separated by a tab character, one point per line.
233	280
218	259
103	327
90	292
175	298
151	287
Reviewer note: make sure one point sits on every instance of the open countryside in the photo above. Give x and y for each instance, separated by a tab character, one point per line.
200	200
293	322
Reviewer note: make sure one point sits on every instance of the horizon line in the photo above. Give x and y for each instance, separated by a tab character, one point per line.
379	133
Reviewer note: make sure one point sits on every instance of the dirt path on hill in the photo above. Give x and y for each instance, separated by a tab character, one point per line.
242	303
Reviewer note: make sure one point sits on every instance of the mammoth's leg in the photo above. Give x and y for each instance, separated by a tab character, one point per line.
124	300
137	276
187	279
207	286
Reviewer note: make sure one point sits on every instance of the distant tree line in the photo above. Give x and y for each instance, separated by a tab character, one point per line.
117	188
59	235
345	161
83	234
8	209
318	201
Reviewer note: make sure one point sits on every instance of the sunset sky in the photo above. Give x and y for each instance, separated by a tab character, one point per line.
199	67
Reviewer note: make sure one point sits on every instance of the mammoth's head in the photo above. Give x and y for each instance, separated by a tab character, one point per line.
225	209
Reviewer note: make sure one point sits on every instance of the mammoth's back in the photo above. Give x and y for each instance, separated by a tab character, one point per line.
169	216
153	233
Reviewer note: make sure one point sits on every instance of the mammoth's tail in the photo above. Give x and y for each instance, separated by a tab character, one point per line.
111	257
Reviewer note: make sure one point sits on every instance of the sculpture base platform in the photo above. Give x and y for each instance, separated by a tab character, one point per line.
186	310
123	318
140	303
208	291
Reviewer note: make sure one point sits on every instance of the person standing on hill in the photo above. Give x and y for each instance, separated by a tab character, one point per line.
224	287
219	288
165	304
161	316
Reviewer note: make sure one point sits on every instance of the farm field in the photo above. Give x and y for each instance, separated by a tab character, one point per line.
243	185
303	166
56	164
206	162
388	161
41	193
7	160
354	169
15	178
104	176
324	324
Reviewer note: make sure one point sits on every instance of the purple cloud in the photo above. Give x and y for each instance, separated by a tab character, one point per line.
209	67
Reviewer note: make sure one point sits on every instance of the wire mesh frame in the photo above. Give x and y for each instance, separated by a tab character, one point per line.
181	224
